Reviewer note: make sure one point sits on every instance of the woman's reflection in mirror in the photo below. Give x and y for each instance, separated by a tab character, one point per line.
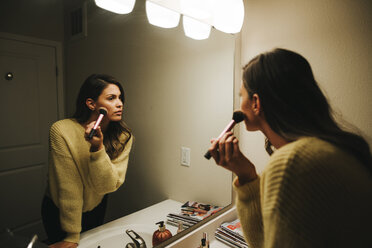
316	189
83	171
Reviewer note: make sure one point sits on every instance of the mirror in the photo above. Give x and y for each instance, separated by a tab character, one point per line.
179	93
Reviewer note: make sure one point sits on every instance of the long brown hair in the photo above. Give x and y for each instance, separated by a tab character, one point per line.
92	88
293	104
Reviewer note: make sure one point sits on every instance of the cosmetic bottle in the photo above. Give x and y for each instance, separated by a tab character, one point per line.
161	234
204	241
180	227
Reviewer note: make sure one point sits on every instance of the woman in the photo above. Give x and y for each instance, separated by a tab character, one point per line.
316	190
83	171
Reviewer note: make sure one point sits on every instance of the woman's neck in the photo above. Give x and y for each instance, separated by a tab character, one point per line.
275	139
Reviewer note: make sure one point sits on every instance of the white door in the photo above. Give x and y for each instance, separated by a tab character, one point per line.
28	107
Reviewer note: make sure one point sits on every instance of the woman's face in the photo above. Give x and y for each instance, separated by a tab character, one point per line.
247	106
110	99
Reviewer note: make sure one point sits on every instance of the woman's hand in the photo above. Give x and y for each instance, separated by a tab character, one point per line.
97	140
63	244
226	153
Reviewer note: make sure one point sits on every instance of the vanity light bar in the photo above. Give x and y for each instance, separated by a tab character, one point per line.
198	15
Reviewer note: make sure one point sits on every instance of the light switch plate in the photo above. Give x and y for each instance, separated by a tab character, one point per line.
185	156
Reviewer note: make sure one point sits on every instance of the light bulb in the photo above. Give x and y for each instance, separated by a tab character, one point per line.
195	29
161	16
116	6
228	15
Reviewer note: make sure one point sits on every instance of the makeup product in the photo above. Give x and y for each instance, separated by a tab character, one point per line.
204	243
180	227
102	113
161	234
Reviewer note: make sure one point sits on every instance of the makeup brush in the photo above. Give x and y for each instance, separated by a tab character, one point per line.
237	117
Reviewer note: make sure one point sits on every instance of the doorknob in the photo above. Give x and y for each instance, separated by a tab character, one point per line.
9	76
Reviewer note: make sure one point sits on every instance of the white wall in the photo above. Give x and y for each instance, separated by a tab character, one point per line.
179	93
335	37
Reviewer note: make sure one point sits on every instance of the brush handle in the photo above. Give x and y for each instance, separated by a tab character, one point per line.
230	126
91	134
208	155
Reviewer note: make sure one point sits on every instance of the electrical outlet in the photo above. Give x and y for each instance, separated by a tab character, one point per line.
185	156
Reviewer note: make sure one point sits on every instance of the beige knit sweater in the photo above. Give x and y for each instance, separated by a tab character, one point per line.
311	194
78	179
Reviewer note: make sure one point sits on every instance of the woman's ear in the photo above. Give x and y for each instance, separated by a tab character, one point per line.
256	104
90	104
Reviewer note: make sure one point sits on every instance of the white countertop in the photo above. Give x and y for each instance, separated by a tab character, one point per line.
149	216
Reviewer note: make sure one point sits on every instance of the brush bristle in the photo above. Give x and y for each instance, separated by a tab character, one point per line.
102	111
238	116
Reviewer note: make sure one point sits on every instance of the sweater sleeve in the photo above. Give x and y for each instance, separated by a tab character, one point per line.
249	211
108	175
65	185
